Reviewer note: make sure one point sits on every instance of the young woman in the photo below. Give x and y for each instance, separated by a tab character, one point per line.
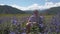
36	20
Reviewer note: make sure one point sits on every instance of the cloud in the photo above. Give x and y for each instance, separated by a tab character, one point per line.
31	7
46	0
19	7
47	5
2	4
51	4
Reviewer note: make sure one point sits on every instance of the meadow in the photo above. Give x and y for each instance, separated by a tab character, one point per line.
17	23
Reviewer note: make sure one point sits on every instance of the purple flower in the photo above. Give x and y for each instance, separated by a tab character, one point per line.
1	21
57	30
12	32
14	20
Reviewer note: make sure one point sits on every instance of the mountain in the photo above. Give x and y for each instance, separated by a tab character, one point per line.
5	9
29	11
53	10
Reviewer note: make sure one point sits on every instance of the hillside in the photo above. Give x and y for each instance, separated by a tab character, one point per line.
53	10
5	9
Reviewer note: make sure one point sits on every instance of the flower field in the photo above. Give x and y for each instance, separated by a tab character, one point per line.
16	24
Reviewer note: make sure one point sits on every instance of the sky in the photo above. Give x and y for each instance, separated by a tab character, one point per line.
31	4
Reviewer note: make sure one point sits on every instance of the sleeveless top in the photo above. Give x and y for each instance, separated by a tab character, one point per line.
33	18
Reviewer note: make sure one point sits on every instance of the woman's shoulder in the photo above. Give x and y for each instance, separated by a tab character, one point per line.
41	16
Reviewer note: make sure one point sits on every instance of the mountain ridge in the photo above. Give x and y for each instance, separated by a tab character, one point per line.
5	9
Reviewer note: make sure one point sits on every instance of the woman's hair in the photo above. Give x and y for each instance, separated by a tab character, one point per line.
35	11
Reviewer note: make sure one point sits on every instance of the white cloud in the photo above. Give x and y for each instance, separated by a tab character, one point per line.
33	7
2	4
51	4
19	7
46	0
47	5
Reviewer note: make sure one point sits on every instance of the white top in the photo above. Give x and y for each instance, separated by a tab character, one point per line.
33	18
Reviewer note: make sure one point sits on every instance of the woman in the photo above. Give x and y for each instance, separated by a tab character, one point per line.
34	19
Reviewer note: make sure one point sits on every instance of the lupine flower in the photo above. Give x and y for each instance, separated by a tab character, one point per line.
1	21
11	32
14	20
41	25
56	22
